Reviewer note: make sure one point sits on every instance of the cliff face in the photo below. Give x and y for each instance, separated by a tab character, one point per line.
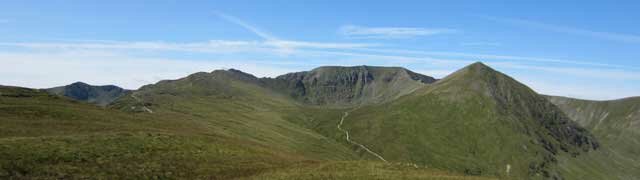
347	86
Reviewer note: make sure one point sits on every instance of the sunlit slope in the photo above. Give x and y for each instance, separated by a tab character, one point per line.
233	104
48	137
616	124
363	170
206	126
475	121
227	124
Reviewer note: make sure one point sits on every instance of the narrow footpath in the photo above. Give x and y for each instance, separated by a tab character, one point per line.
354	142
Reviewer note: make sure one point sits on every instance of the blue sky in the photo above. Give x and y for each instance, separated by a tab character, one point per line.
583	49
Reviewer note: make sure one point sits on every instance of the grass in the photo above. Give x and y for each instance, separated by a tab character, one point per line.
194	133
45	137
133	155
361	170
475	124
613	124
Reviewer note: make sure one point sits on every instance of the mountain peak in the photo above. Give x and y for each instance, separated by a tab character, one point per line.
101	95
340	85
474	73
518	100
477	67
79	83
478	64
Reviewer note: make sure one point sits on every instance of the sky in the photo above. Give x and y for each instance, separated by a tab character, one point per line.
581	49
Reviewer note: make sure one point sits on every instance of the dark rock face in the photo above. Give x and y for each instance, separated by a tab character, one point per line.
351	85
100	95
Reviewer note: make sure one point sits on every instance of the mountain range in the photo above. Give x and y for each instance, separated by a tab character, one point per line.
361	122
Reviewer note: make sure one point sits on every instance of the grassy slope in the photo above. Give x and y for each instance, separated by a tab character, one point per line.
476	122
46	136
616	124
361	170
226	124
228	104
203	126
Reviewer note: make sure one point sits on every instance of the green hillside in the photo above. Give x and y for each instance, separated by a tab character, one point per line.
217	125
476	123
48	137
232	104
616	124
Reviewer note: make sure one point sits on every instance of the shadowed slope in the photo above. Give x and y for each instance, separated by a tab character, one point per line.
348	86
100	95
616	123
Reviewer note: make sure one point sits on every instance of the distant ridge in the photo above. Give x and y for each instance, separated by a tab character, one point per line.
100	95
335	85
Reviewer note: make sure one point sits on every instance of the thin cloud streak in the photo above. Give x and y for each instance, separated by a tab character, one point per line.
361	32
247	26
480	57
61	68
288	46
380	32
212	46
628	38
305	49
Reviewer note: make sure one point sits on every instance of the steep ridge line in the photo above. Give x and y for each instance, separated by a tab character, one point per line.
353	142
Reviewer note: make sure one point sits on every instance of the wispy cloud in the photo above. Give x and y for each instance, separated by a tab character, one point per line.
44	70
485	57
619	37
116	62
254	29
304	49
361	32
288	46
107	64
212	46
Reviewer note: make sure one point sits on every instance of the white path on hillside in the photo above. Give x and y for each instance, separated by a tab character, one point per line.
356	143
145	108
